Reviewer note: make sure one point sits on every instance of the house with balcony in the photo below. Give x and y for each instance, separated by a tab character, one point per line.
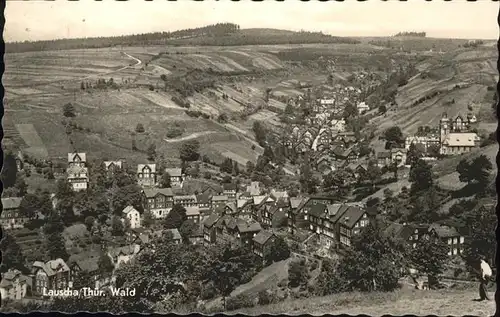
158	201
186	200
12	217
175	176
78	177
146	175
51	275
230	190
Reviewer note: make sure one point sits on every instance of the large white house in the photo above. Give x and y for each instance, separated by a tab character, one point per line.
77	172
146	174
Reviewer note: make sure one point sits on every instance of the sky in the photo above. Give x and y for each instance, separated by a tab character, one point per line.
44	20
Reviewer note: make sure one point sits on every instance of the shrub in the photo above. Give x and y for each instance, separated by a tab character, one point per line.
139	128
207	175
240	301
174	132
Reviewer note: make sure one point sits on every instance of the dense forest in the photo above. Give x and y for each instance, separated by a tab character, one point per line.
220	34
417	34
156	38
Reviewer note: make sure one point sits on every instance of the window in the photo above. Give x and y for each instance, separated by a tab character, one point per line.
449	240
461	240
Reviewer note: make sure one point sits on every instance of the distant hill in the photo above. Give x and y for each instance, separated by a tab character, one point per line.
220	34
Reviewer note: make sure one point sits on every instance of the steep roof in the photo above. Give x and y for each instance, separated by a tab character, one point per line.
175	233
141	167
88	265
295	202
152	192
352	215
73	156
116	163
211	220
11	202
52	267
129	209
249	227
220	198
444	231
229	186
203	198
263	236
192	211
174	172
383	154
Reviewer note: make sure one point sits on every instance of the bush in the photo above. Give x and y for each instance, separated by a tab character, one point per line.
174	132
208	291
139	128
181	102
266	297
240	301
207	175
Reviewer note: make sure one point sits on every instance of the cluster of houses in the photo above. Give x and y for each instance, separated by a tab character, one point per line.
455	136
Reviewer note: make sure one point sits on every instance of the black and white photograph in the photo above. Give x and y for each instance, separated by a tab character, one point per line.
241	157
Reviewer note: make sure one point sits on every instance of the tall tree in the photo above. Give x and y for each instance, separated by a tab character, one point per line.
429	257
190	151
175	217
393	137
12	256
421	176
165	180
151	152
9	170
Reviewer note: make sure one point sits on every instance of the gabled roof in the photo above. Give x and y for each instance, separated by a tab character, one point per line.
129	209
461	139
232	206
192	211
263	236
116	163
257	200
76	170
125	250
152	192
229	186
11	202
88	265
240	203
295	202
185	197
73	156
383	154
83	255
141	167
352	215
220	198
444	231
211	220
249	227
203	198
317	210
174	172
175	233
52	267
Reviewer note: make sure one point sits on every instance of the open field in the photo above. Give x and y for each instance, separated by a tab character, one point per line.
406	302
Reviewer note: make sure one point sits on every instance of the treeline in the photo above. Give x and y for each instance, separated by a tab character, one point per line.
219	29
238	39
417	34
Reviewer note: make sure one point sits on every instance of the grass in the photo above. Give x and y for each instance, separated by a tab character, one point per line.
402	302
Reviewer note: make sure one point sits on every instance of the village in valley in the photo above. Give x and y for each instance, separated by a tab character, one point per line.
347	192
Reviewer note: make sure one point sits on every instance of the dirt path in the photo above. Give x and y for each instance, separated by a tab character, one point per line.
189	137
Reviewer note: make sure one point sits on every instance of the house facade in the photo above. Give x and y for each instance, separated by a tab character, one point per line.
186	200
11	216
175	176
262	241
230	190
193	214
146	175
78	177
52	275
158	201
133	216
14	285
77	160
